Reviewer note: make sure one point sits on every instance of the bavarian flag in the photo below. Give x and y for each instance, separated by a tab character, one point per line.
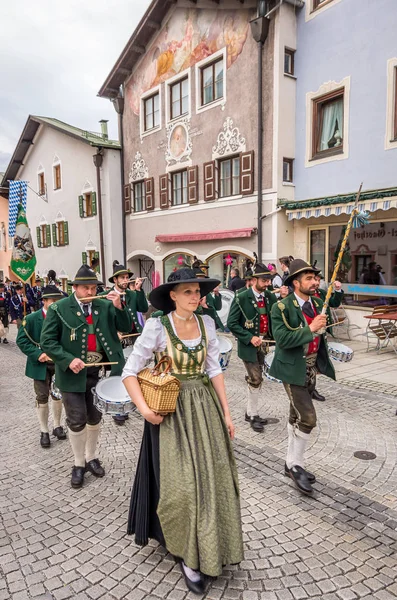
23	259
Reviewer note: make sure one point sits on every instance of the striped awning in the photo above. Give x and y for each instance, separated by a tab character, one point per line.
338	209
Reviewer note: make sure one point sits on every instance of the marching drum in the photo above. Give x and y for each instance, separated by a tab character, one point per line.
54	391
227	299
340	352
225	352
268	363
111	397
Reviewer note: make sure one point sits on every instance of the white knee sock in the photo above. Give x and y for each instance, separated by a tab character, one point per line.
78	441
252	401
42	413
291	445
92	440
56	412
300	445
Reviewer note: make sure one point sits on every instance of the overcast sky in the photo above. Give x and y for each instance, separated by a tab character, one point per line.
54	58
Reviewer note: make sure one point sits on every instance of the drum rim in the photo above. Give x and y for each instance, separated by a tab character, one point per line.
102	382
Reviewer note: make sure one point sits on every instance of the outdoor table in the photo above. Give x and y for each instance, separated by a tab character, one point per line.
388	324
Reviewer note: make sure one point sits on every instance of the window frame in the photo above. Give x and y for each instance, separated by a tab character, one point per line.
141	183
318	4
41	180
317	117
395	105
186	189
147	129
171	86
222	53
152	92
290	162
60	229
212	64
291	53
219	162
87	196
56	170
43	236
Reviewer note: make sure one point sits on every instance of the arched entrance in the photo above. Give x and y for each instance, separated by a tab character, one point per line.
176	261
221	263
143	266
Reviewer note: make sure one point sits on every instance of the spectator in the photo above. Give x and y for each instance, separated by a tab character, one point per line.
236	283
285	262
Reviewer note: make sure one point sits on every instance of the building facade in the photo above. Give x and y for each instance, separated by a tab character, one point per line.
346	133
195	167
5	247
69	195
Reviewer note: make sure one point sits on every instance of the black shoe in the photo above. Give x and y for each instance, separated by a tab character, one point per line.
256	425
256	418
197	587
77	477
299	477
59	433
94	467
311	478
5	341
317	396
120	419
45	440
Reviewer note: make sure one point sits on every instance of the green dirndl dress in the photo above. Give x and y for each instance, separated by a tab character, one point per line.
185	494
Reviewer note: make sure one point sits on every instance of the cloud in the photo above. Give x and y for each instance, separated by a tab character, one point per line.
55	57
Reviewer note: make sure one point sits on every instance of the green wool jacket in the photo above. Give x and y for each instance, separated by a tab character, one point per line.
292	335
244	307
214	304
136	302
28	340
65	336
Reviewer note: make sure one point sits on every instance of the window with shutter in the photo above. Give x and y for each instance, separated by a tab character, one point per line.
93	204
84	258
139	189
98	267
66	233
48	235
54	234
209	181
192	184
149	189
127	198
229	176
81	206
38	234
164	193
247	172
57	177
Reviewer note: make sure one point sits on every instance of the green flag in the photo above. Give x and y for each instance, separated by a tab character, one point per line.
23	260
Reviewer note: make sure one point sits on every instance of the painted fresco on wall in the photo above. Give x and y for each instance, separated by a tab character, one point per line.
190	36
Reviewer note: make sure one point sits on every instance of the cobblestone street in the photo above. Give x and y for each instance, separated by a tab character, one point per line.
58	543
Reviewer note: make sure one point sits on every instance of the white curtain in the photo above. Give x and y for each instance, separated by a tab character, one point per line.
332	113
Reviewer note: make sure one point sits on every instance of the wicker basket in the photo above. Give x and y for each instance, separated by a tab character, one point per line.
160	390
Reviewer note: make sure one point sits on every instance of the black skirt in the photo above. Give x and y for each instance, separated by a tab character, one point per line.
142	518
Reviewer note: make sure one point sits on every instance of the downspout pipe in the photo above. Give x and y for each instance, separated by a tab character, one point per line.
260	30
118	104
98	160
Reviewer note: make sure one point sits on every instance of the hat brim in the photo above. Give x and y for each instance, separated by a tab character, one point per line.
87	282
122	272
266	275
292	276
160	296
52	296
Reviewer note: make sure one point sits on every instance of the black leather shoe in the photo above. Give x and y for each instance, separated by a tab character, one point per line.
45	440
59	433
256	425
94	467
311	478
197	587
299	477
317	396
5	341
256	418
77	477
120	419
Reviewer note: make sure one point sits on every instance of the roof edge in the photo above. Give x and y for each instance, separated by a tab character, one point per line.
340	199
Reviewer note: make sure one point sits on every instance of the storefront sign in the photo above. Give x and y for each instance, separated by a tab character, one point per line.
370	290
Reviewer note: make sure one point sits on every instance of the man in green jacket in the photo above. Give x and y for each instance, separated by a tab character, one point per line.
39	366
134	301
250	321
79	333
301	351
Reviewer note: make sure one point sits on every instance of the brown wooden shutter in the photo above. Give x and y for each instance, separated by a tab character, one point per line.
164	192
127	198
149	193
192	185
209	181
247	173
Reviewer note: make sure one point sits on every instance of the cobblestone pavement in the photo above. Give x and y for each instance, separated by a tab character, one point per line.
58	543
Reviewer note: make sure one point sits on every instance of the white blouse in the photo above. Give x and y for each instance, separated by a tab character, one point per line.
153	339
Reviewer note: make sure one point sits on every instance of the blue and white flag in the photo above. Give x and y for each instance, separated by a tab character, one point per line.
17	195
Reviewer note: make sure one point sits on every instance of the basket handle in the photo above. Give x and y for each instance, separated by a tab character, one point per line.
165	360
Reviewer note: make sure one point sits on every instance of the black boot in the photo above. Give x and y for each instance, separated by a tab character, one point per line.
77	477
45	440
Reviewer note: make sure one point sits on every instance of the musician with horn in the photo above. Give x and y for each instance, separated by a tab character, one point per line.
134	301
78	333
250	321
301	352
39	366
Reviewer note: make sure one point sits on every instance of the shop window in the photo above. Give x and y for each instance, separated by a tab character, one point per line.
175	262
221	264
318	251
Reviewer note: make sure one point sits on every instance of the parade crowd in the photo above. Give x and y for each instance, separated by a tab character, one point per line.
185	493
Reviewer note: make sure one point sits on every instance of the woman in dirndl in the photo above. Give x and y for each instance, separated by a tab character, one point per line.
185	494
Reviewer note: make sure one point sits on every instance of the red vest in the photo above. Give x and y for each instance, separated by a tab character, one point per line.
91	338
264	319
315	344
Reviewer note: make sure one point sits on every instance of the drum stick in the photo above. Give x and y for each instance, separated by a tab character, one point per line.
89	298
136	278
335	324
100	364
129	335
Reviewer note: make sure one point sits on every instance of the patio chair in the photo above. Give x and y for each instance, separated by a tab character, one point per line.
380	334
